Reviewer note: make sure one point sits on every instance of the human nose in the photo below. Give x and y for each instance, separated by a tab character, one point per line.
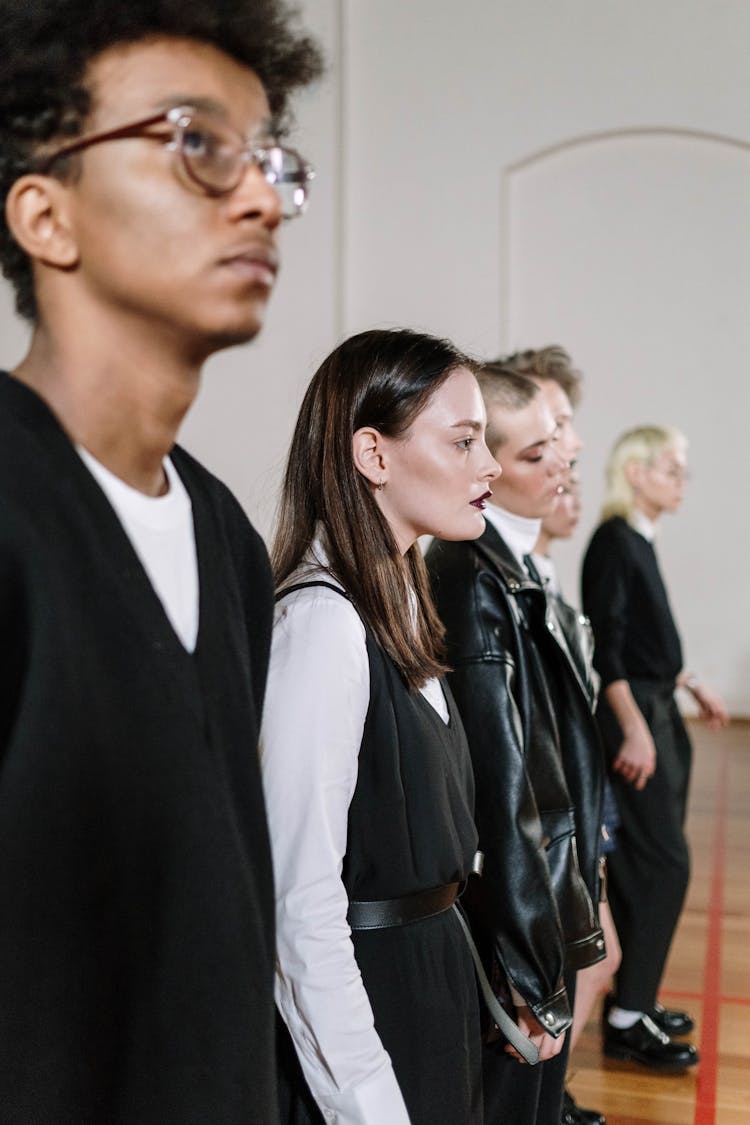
492	468
558	462
255	198
573	444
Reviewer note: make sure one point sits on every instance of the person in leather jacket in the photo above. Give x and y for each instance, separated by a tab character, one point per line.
553	371
535	752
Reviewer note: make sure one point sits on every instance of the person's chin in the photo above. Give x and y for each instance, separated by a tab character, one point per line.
478	528
242	326
467	529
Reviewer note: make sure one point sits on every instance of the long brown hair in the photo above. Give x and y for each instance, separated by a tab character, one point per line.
383	379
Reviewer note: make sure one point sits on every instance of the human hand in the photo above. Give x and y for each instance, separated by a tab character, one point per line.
713	710
546	1044
636	758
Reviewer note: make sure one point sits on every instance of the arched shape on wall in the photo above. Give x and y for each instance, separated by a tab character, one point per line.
570	145
632	249
632	131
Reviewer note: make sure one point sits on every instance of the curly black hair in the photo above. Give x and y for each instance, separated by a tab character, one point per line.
47	46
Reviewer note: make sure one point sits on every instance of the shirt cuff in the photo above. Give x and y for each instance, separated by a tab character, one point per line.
371	1102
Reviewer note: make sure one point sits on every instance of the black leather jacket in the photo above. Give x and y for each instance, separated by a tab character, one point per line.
521	683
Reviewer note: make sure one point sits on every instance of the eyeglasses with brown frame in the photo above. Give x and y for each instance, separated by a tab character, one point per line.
210	154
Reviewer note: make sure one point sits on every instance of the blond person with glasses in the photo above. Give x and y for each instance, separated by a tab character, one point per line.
638	654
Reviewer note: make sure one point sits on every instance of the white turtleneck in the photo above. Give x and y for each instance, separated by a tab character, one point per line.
519	532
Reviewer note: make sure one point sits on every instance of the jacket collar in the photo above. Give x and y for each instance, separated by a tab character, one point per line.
495	550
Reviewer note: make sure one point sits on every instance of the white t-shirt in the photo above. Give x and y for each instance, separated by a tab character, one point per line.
162	533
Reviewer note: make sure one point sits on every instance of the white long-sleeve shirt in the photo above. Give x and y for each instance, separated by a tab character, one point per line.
316	704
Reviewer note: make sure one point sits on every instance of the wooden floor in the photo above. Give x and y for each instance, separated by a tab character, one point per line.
709	967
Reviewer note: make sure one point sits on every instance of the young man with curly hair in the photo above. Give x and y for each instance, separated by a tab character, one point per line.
144	188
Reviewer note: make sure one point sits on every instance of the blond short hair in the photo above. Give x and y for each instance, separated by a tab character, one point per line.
643	444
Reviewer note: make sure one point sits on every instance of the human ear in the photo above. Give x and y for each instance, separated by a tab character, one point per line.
368	455
634	471
38	217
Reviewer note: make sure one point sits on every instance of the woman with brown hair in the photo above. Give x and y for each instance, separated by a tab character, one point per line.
367	775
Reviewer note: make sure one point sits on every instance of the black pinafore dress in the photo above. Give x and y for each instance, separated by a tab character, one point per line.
410	829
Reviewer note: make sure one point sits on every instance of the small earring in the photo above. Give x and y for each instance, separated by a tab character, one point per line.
381	485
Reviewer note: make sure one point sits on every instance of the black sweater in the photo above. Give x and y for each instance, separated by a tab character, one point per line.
624	596
136	907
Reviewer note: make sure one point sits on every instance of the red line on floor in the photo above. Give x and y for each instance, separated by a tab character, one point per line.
705	1099
683	994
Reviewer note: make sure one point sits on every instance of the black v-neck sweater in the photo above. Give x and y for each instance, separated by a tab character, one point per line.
136	905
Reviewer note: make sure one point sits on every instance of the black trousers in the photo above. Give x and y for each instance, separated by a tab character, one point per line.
518	1094
649	869
421	985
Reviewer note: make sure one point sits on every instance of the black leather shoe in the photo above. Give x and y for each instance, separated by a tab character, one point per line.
671	1021
573	1114
647	1044
668	1020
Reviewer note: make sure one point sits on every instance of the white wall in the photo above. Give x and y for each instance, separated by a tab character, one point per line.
430	209
615	246
633	252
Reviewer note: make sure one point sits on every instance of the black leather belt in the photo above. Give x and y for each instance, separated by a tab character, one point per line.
400	911
426	904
